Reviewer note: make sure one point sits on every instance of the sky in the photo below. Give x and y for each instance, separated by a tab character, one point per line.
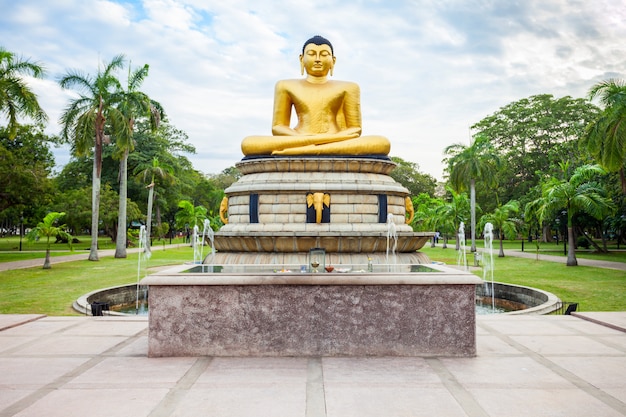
428	69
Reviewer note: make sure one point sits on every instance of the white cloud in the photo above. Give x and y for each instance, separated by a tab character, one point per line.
428	69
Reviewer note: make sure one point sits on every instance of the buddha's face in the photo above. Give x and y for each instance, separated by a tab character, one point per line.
317	60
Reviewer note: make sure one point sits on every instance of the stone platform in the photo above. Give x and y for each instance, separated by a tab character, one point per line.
305	314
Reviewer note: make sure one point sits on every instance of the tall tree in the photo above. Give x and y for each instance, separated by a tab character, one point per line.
577	194
132	103
89	121
16	97
605	137
466	165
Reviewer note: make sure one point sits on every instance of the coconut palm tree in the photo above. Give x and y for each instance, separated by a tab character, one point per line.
503	222
132	103
578	194
468	164
48	228
16	97
605	138
152	172
89	120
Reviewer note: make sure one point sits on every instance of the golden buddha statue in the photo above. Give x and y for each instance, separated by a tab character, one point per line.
329	113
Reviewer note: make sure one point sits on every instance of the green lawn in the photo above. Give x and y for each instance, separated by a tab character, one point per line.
594	289
52	291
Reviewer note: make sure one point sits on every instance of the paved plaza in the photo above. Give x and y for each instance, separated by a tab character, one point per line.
526	366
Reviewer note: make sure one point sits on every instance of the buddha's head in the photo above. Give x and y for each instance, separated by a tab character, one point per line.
317	57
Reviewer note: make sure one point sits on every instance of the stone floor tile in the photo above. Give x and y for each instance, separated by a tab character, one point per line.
266	400
33	373
565	345
101	402
69	345
381	371
392	400
503	372
541	402
130	372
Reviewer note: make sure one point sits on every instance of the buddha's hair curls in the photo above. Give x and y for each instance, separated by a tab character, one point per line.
318	40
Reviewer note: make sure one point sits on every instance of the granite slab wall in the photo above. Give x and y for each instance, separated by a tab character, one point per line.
304	319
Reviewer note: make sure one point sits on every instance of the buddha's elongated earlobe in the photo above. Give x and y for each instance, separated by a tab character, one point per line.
301	65
332	66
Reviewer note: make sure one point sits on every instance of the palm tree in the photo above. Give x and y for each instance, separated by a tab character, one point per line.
16	98
503	222
466	165
48	229
132	103
605	138
152	172
189	216
86	122
579	194
451	214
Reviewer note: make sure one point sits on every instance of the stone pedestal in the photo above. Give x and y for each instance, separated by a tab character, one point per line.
270	219
376	314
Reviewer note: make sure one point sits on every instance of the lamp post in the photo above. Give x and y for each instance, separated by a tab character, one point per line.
21	230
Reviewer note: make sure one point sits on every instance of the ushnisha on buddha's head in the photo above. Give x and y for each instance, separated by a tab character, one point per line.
317	58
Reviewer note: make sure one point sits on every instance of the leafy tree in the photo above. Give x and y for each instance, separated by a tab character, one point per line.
451	214
503	222
605	136
25	166
87	120
533	135
466	165
577	194
188	216
48	228
132	104
407	174
16	97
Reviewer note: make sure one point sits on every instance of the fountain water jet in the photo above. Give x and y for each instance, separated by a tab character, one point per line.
462	255
142	259
488	262
392	242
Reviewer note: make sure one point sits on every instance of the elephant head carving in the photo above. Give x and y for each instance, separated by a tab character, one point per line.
224	210
318	201
408	203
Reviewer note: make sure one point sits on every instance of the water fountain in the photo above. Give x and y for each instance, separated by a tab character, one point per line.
462	254
488	263
142	264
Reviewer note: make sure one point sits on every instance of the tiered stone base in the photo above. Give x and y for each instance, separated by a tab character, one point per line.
269	218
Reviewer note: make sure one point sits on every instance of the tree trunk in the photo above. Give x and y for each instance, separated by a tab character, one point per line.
571	250
95	209
473	214
501	253
121	238
46	262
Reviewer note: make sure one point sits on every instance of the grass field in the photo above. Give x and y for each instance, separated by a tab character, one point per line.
595	289
53	291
